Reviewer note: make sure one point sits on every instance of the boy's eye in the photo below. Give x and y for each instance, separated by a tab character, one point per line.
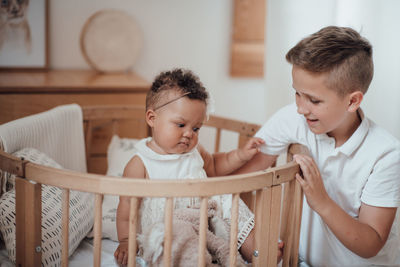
315	101
196	129
181	125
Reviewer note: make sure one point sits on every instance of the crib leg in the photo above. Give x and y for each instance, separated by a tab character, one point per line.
28	209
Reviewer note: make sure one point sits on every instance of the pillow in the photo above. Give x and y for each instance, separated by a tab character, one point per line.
119	152
80	220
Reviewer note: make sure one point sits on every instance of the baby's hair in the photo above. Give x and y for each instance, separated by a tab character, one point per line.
340	51
179	80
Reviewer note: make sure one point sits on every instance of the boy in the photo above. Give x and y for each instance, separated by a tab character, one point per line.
352	179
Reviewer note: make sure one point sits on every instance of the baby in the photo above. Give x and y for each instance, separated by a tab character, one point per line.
176	108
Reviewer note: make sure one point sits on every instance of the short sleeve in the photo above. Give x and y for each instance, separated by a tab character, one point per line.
283	128
383	186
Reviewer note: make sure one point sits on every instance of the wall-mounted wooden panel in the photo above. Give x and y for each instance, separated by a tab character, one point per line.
247	59
249	20
247	49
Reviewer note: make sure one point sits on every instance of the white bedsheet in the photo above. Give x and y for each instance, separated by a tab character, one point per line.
83	255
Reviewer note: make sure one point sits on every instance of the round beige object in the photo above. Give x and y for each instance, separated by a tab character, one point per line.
111	41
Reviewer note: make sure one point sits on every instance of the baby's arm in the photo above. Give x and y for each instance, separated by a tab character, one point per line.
134	169
364	236
225	163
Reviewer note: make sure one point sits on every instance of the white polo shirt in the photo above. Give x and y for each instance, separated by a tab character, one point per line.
364	169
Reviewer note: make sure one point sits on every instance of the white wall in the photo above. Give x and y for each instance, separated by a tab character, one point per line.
196	34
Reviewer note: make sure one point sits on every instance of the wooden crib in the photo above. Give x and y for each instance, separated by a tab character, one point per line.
273	194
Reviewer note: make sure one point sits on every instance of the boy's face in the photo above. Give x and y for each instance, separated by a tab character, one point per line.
324	110
176	126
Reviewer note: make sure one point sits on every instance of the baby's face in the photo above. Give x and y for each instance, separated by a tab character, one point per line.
176	126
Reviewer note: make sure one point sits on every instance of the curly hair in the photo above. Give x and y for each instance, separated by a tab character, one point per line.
340	51
179	80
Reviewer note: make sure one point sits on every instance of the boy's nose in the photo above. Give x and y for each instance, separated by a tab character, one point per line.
302	109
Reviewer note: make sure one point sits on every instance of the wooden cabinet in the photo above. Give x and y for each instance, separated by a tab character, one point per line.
26	93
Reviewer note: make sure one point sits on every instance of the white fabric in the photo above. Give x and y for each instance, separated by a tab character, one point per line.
184	166
364	169
83	255
57	132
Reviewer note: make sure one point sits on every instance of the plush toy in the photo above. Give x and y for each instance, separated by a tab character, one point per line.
185	239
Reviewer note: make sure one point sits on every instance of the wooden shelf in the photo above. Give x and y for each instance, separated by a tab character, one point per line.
70	81
26	93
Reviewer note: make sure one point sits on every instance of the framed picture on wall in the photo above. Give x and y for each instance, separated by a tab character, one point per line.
23	34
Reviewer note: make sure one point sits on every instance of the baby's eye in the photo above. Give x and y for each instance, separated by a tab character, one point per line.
180	125
196	129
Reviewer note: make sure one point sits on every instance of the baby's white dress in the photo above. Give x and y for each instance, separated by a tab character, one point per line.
184	166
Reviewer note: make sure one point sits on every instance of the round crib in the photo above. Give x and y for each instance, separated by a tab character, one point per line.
273	195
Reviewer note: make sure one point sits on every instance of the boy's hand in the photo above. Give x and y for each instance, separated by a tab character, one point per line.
311	183
250	149
121	253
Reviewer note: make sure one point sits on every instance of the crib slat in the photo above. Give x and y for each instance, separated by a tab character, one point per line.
288	222
65	227
298	203
217	140
274	224
234	230
262	215
132	245
203	232
28	207
88	141
97	230
168	231
115	126
243	139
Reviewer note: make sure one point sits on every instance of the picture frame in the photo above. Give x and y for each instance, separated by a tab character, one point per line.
24	35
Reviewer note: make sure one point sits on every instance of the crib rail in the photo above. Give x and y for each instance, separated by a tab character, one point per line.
267	185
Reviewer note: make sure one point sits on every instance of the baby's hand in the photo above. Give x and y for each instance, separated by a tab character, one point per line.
280	251
121	253
250	149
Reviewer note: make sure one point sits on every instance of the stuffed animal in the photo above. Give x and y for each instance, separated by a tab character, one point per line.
185	239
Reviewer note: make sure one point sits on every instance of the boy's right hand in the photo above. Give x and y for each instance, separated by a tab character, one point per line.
121	253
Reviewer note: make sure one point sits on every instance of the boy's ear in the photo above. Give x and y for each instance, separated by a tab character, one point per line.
150	117
355	100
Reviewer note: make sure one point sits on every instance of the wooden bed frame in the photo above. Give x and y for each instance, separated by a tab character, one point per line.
273	194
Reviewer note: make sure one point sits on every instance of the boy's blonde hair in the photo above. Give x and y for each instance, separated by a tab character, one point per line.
339	51
178	80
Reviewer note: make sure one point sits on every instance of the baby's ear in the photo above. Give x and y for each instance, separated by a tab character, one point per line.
150	117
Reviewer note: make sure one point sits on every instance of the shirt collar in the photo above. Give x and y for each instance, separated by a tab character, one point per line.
357	137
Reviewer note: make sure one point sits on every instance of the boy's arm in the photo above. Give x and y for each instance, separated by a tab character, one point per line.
364	236
134	169
219	164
